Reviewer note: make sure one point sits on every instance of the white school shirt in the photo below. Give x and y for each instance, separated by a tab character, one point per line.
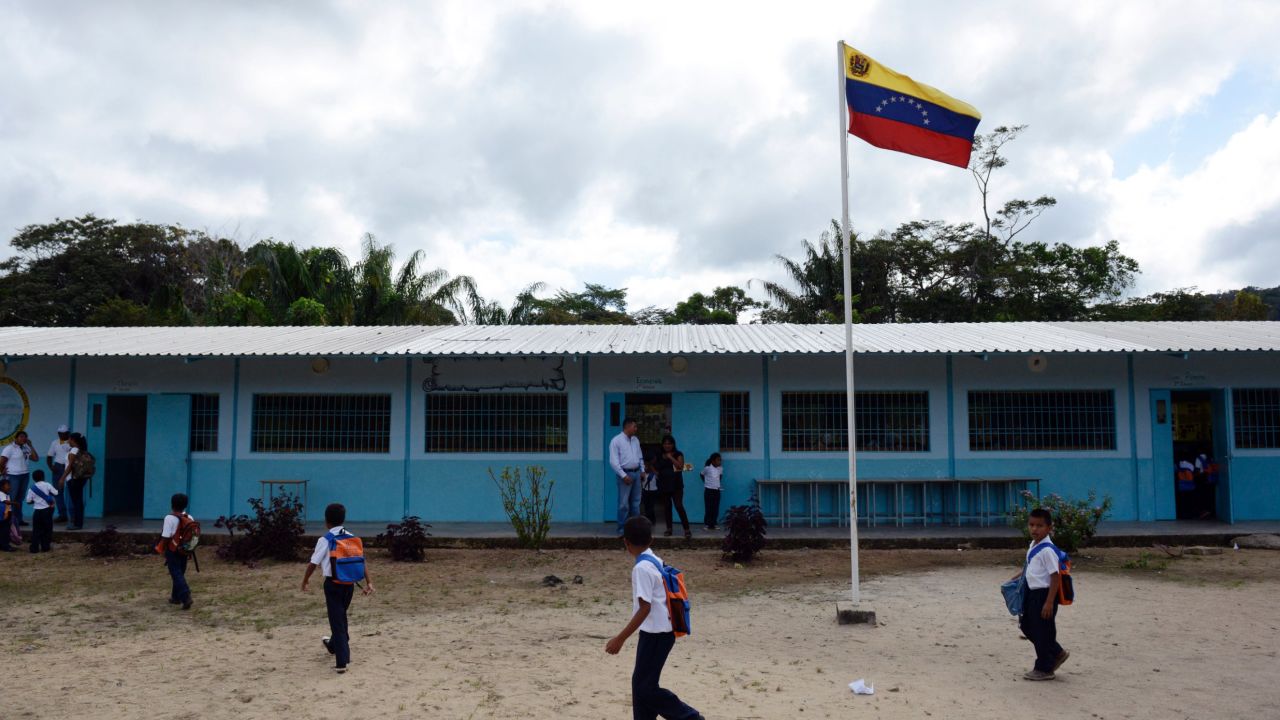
646	584
321	555
17	459
170	526
1042	567
58	451
711	477
624	452
34	499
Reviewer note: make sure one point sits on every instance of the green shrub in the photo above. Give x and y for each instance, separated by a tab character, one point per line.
110	542
274	531
406	540
526	498
744	527
1074	521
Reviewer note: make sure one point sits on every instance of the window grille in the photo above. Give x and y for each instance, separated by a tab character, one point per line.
1256	414
1042	420
887	421
735	422
321	423
497	422
204	423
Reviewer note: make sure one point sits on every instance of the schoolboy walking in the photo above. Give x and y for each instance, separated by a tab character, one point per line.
1040	599
651	616
40	496
175	559
339	586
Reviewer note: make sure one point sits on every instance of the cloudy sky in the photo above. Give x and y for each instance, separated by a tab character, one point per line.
662	147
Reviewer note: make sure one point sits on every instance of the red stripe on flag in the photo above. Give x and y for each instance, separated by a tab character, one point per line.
893	135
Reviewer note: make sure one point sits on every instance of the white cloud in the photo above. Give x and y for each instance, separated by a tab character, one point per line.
666	147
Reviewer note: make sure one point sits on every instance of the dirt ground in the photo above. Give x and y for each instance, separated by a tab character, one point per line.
473	634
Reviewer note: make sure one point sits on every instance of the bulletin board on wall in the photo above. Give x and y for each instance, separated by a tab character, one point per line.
1193	421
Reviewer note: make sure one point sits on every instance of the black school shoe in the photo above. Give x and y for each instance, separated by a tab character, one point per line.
186	604
325	641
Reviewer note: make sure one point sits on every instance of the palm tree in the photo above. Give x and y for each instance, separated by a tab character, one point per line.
524	308
409	297
817	292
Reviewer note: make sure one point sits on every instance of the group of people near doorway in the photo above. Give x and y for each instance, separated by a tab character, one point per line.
653	483
71	468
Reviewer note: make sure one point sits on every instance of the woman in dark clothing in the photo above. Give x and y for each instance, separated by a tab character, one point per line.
671	484
75	485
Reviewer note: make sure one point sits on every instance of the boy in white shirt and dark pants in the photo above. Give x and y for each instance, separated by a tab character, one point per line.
40	495
652	617
1040	601
337	596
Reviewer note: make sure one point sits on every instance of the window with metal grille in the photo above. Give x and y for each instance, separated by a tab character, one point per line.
204	423
887	421
321	423
1256	414
735	422
1015	420
497	422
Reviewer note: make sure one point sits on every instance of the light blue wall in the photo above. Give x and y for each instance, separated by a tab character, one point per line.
457	486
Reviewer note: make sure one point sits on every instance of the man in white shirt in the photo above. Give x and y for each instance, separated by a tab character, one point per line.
56	459
14	462
627	463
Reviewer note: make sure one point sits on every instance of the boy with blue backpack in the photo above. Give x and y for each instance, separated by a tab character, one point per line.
660	611
1047	584
340	557
40	495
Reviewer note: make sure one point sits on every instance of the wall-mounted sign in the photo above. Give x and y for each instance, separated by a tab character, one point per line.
648	383
1191	379
15	409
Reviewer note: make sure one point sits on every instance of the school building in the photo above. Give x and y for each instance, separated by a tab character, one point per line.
952	420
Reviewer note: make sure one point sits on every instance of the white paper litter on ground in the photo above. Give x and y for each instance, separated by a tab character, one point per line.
860	687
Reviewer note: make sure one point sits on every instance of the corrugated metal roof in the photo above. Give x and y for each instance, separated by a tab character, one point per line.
1024	337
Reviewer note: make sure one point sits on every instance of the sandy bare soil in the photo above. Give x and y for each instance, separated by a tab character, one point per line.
472	634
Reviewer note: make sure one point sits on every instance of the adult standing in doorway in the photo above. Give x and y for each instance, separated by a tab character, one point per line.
78	474
671	484
56	459
15	462
627	463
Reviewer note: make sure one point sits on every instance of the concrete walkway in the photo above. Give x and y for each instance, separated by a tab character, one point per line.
601	535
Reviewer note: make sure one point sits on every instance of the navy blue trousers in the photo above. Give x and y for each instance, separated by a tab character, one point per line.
177	564
1042	633
648	700
337	598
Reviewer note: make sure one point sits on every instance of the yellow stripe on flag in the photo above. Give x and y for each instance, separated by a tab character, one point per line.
861	67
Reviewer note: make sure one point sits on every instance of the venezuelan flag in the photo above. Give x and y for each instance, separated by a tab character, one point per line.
894	112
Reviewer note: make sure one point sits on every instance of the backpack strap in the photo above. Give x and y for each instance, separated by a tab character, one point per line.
46	497
651	559
1042	546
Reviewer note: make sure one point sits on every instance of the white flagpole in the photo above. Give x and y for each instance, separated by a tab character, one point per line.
845	239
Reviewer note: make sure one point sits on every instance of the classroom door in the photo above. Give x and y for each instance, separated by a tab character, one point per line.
614	411
695	423
1222	455
1162	461
95	434
125	453
166	467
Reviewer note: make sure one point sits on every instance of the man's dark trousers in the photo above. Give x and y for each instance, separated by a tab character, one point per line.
648	701
177	564
1042	633
337	598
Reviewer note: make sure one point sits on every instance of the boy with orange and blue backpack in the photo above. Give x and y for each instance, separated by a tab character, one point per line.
340	557
655	615
1047	584
178	538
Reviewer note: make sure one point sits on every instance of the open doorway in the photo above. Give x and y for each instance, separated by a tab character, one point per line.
652	413
1197	448
123	477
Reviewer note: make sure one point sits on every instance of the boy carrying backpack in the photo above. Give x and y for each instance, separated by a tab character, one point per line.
178	539
660	607
1047	585
340	557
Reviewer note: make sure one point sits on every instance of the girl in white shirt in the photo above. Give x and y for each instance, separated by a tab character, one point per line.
712	476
